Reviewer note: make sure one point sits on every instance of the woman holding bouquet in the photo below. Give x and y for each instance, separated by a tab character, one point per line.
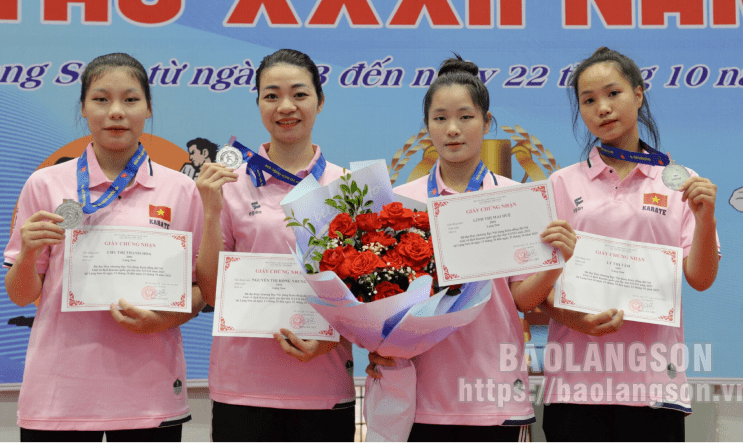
608	93
286	388
449	405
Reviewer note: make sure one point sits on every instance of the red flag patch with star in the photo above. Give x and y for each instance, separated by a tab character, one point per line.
659	200
161	212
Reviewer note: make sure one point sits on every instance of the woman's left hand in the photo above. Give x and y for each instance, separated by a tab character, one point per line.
559	234
701	194
138	320
302	349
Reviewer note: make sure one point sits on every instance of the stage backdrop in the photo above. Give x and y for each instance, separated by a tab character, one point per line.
377	57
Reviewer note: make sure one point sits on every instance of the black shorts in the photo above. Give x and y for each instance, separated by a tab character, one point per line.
248	423
598	422
156	434
452	433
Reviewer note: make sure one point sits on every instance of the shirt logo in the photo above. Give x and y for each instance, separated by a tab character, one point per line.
654	202
578	201
255	205
177	387
160	216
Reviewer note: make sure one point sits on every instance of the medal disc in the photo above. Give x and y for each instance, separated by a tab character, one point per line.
674	175
230	157
72	212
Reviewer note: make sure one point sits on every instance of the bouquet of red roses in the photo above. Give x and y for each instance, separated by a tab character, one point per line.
372	267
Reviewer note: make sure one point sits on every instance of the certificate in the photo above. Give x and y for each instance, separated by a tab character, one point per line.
149	268
257	294
642	279
493	233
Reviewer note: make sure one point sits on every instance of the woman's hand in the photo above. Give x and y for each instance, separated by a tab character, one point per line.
39	231
303	349
559	234
701	194
375	359
209	183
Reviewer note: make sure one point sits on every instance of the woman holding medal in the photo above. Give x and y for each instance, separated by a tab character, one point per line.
456	115
620	170
286	388
87	373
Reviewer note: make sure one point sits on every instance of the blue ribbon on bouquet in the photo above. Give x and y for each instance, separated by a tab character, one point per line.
257	164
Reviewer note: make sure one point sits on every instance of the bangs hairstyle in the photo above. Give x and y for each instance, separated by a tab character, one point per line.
103	64
290	57
631	72
456	71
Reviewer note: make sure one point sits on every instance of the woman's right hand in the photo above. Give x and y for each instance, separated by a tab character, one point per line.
209	183
39	231
375	359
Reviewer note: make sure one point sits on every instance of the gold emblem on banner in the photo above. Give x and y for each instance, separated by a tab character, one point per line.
495	153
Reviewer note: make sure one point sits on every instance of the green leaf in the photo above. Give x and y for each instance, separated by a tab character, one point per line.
340	234
304	222
312	228
368	203
355	188
345	189
294	223
366	190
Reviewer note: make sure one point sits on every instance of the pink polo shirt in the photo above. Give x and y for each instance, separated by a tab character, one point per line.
638	365
474	376
256	371
83	370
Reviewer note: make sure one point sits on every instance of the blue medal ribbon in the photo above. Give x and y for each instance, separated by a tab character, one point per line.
116	187
652	157
257	164
475	181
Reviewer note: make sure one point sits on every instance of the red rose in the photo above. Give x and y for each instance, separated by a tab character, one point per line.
363	263
381	237
421	221
335	260
387	289
344	224
415	251
395	216
393	258
368	222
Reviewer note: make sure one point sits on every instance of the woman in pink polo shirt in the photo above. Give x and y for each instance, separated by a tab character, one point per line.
449	406
86	373
608	93
281	389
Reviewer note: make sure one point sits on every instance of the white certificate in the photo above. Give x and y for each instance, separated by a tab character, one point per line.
493	233
642	279
149	268
257	294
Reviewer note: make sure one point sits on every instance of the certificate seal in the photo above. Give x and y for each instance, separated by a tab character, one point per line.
635	305
674	175
521	256
149	293
296	321
230	157
72	212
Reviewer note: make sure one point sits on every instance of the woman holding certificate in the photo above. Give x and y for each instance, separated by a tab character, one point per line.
286	388
630	384
466	391
120	371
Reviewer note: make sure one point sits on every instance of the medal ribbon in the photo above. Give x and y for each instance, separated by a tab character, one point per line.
257	164
116	187
475	181
653	157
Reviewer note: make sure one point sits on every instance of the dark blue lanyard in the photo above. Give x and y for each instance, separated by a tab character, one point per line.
116	187
256	165
475	181
653	157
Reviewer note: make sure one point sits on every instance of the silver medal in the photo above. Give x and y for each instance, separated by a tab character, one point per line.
230	157
674	176
72	212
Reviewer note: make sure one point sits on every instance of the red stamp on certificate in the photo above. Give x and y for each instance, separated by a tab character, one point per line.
521	256
297	321
635	305
149	293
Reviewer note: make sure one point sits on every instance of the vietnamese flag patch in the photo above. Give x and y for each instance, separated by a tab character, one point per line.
161	212
659	200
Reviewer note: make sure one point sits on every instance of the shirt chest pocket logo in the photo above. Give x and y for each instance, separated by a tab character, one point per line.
160	216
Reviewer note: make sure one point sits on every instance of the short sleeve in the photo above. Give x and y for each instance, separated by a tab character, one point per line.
29	202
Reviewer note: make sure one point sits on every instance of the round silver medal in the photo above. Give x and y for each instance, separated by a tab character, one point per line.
230	157
72	212
674	176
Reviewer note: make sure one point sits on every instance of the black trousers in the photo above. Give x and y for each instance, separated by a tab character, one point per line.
248	423
157	434
452	433
589	422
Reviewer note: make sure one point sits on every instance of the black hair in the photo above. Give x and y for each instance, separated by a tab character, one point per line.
204	144
456	71
631	72
291	57
102	64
